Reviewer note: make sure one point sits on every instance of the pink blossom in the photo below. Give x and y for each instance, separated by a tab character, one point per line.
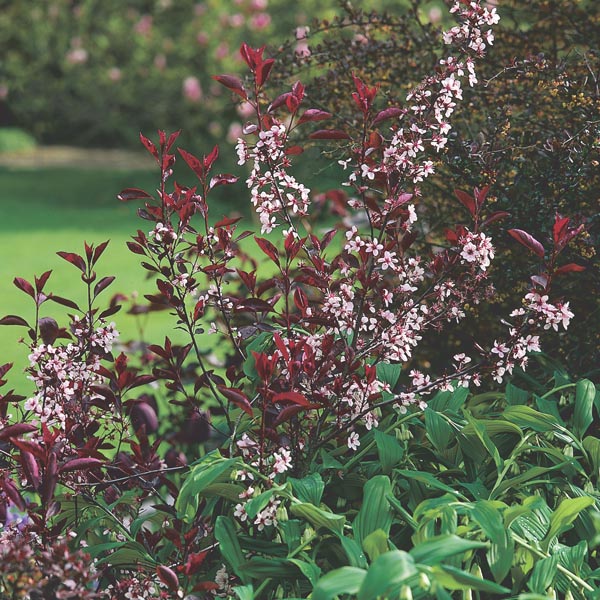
260	21
192	89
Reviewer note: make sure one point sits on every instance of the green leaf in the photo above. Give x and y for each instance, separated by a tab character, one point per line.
529	418
515	396
204	473
346	580
390	450
437	549
308	489
592	447
291	531
319	517
585	392
387	574
309	569
131	554
438	430
389	373
375	511
229	545
244	592
457	579
528	475
562	518
480	427
543	574
354	552
260	567
376	543
450	402
528	505
427	479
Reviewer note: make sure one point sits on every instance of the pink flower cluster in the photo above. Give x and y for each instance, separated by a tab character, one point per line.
273	190
476	249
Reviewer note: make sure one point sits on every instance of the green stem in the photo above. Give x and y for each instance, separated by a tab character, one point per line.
559	567
558	389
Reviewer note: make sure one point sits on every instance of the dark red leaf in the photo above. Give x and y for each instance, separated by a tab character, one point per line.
80	464
103	284
74	259
40	281
294	150
49	330
222	179
329	134
560	228
64	301
268	248
232	83
136	248
168	577
227	221
495	216
263	71
16	430
13	493
132	194
31	469
467	201
528	241
237	397
13	320
111	310
571	267
313	114
253	305
24	286
194	163
149	145
289	411
388	113
294	397
171	140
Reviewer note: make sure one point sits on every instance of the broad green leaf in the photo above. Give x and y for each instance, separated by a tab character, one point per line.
260	567
388	373
501	556
346	580
562	518
529	475
309	569
291	531
439	431
94	550
437	549
244	592
375	511
376	543
319	517
529	418
255	505
480	428
543	574
585	392
390	450
528	505
450	402
309	488
229	491
515	396
457	579
387	574
354	552
131	554
229	545
427	479
204	473
548	406
592	447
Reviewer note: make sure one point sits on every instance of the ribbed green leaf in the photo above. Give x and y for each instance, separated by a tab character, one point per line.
515	396
229	545
346	580
562	518
389	373
438	429
427	479
387	574
375	511
529	418
354	552
244	592
309	569
308	489
437	549
319	517
390	450
585	393
457	579
376	543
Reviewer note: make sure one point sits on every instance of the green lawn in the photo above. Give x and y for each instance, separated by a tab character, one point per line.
46	211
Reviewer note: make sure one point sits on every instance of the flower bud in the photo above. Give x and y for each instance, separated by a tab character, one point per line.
406	593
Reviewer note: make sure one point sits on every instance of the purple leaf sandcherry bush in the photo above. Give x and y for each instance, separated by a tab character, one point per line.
314	340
